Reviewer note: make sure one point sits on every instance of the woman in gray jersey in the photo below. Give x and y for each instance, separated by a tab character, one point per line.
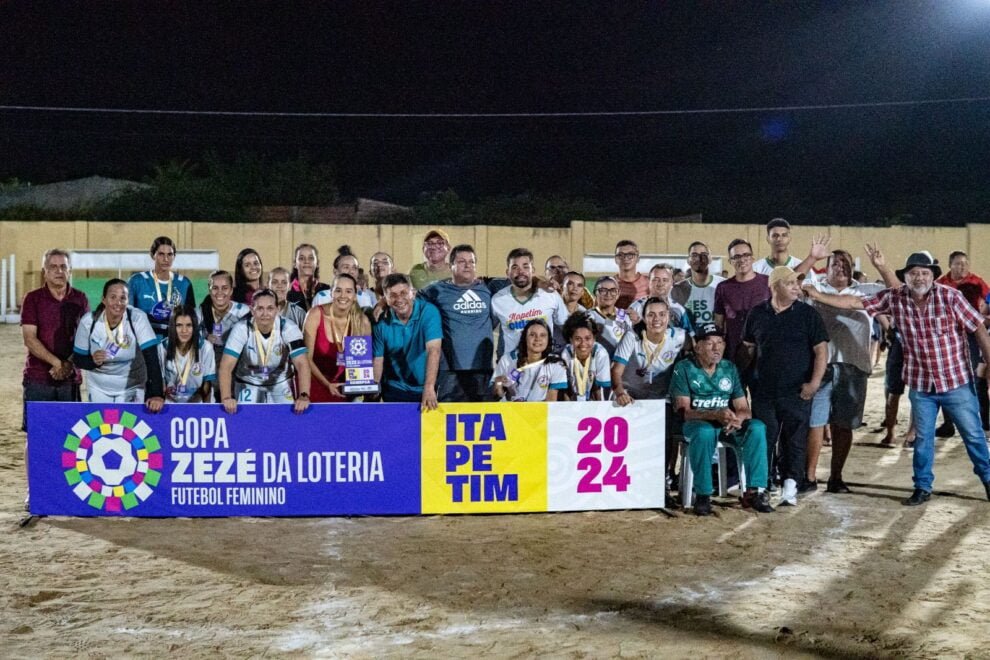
116	347
259	357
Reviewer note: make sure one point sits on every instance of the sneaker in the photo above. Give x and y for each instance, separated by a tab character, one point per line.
917	497
807	486
947	430
837	485
788	494
703	505
986	487
759	502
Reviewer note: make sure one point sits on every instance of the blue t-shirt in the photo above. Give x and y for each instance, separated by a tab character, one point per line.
403	347
141	292
466	315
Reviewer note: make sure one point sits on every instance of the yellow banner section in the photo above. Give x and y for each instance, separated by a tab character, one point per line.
485	458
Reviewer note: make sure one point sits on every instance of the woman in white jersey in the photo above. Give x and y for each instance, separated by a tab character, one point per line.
644	363
218	314
531	372
259	357
587	362
188	367
116	347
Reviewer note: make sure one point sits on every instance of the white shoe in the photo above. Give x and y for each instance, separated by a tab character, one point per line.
788	494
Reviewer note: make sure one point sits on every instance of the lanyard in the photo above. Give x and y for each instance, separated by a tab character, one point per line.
333	331
219	316
581	378
116	336
184	374
652	355
158	289
263	348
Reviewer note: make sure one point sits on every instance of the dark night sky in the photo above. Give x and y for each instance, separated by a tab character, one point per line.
447	57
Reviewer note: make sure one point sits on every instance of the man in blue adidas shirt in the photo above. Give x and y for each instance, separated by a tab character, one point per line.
465	304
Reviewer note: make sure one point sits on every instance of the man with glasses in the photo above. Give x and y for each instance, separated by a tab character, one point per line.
632	284
436	247
49	318
736	296
697	292
612	321
934	322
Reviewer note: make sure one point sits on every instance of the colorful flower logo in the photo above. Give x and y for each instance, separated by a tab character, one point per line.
112	460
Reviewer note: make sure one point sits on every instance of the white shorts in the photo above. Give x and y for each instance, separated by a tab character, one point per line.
277	393
96	395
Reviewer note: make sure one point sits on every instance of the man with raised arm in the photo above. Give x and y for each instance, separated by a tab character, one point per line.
934	322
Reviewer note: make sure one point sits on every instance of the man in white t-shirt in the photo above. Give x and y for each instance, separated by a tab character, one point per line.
522	301
697	292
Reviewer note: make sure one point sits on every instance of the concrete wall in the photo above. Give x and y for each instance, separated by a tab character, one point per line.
276	241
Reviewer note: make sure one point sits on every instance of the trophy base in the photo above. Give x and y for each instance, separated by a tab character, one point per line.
368	388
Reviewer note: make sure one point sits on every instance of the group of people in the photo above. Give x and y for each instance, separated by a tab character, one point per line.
763	361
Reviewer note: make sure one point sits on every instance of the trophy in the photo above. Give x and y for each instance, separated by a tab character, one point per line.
359	373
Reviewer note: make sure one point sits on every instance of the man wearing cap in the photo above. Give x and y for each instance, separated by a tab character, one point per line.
702	389
790	345
934	322
436	246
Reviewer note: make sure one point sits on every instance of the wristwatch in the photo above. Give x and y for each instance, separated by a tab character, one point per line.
303	395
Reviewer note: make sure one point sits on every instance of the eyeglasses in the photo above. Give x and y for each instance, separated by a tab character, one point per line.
556	267
608	292
626	255
741	257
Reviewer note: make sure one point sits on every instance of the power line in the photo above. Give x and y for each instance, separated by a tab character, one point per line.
498	115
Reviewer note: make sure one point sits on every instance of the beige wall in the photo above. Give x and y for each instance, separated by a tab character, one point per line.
276	241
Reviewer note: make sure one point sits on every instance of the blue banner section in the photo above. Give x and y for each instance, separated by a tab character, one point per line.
196	460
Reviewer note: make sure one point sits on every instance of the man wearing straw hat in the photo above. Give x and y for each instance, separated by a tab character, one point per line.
934	322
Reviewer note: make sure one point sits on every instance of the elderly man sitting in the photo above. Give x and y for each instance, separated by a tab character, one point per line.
703	388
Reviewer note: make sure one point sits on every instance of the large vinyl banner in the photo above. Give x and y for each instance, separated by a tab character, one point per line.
343	459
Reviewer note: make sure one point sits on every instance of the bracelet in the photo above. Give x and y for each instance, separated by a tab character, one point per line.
303	395
227	398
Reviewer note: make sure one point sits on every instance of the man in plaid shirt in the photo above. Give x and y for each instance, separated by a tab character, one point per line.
934	322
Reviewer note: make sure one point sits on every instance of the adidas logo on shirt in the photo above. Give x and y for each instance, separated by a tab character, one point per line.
470	303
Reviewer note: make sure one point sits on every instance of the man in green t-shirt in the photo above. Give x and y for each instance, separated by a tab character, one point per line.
706	389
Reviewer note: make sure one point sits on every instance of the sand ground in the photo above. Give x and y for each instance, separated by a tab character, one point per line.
840	575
